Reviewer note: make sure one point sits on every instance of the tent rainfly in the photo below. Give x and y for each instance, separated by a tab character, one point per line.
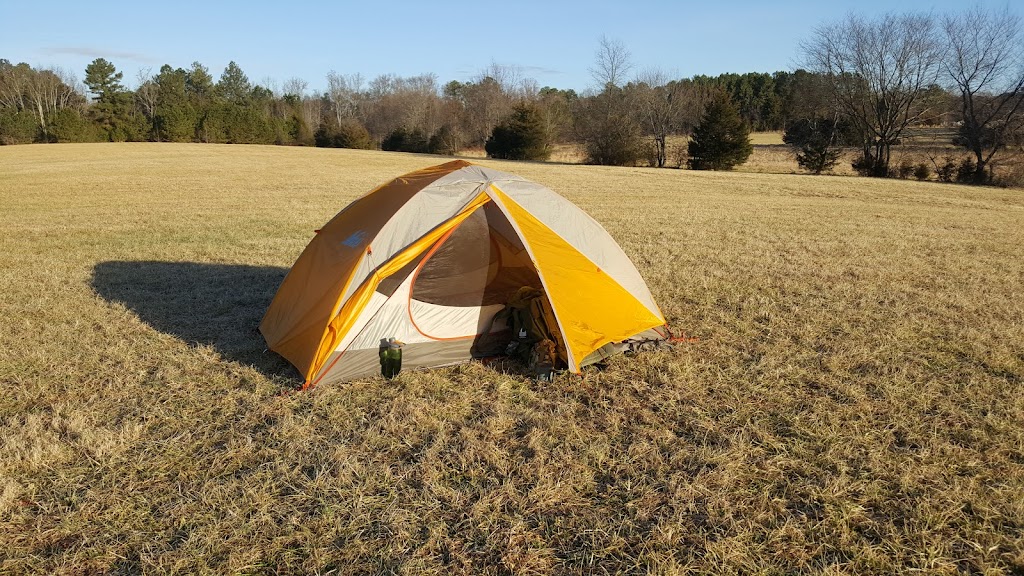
431	257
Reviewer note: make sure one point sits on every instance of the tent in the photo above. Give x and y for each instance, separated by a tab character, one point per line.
431	257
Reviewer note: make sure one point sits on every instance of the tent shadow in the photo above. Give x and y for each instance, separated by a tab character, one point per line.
219	305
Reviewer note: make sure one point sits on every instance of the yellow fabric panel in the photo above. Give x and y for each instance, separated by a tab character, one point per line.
592	308
297	317
348	314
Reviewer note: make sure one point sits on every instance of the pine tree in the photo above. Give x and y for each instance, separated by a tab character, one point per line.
520	136
103	80
114	109
444	141
817	141
403	140
721	140
234	85
175	119
199	85
201	93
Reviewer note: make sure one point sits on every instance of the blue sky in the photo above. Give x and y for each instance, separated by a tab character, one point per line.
553	42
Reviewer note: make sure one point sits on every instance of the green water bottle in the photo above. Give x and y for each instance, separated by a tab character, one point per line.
390	358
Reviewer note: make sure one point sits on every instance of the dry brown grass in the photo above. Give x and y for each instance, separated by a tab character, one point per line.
853	406
766	138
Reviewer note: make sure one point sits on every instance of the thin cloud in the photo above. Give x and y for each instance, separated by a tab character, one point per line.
92	52
541	70
525	70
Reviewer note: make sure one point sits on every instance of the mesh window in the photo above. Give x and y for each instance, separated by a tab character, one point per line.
482	262
391	283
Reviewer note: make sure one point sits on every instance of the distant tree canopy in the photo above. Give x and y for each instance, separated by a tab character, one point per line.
33	103
403	139
868	83
621	124
607	128
346	134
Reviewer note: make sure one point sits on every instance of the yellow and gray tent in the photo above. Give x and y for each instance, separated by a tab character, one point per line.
431	257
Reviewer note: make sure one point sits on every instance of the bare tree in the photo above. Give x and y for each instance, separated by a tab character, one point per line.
56	87
529	90
606	125
345	93
611	62
147	95
294	86
876	71
420	102
985	64
508	77
48	91
290	103
271	85
659	105
665	108
412	103
693	101
484	103
474	108
606	122
313	110
13	82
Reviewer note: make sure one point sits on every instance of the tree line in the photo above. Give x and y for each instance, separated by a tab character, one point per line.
389	112
865	83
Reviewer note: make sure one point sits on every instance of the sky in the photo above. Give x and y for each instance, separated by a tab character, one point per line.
553	42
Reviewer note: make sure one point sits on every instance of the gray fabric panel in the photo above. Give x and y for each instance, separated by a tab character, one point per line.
366	363
613	348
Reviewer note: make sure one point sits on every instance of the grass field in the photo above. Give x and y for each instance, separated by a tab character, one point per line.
766	138
853	405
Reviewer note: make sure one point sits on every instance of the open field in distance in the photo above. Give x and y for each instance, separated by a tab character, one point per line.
929	146
766	138
853	403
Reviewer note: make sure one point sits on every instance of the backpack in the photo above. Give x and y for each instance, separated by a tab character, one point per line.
530	317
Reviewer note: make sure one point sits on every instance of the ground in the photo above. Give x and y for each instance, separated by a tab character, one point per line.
852	404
